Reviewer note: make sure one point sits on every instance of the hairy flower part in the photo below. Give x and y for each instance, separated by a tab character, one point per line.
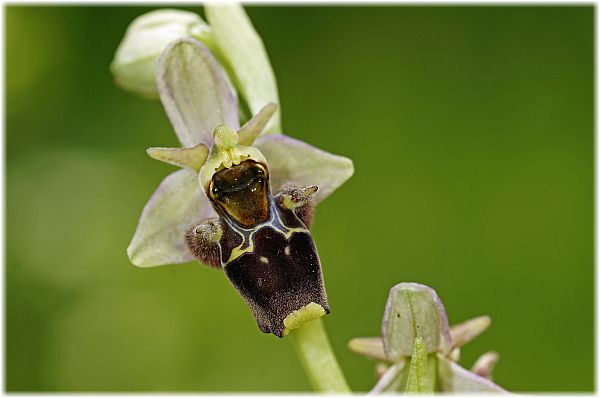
243	201
416	336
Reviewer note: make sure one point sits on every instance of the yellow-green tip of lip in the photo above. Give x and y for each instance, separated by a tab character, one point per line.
299	317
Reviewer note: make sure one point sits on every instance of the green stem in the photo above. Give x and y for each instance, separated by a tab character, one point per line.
315	353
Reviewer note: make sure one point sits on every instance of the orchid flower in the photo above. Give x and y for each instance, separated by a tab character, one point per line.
420	351
186	217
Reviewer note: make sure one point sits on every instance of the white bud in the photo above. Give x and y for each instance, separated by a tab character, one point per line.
145	39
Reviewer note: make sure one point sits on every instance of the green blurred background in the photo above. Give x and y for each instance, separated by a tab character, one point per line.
471	131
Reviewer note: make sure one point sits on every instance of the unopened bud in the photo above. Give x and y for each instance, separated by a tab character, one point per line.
144	41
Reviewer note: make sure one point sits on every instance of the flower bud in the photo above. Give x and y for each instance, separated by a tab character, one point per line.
145	39
414	310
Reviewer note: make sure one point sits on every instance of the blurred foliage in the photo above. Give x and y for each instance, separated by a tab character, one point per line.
471	129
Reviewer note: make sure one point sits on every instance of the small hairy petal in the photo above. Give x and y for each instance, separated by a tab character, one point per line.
160	235
245	55
455	378
414	310
296	162
194	92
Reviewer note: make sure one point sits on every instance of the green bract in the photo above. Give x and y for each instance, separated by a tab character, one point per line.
416	336
418	379
245	54
197	96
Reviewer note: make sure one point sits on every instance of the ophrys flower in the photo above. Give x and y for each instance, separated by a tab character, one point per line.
242	201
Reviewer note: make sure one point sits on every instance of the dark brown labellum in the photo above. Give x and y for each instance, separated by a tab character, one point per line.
265	247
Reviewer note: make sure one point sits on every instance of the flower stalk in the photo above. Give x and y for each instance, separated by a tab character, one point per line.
312	347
